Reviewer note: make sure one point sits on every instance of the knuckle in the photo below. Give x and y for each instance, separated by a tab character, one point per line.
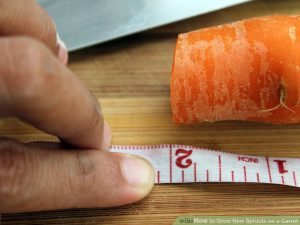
23	81
96	116
85	173
13	167
97	107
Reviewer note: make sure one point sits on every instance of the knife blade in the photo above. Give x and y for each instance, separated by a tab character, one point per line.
84	23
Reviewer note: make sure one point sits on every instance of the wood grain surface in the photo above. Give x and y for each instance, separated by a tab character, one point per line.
130	77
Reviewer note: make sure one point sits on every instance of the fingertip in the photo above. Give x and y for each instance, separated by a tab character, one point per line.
139	174
62	51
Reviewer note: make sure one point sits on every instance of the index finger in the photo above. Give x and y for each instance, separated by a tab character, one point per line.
37	88
28	18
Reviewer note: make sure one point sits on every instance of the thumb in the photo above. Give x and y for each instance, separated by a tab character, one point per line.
34	179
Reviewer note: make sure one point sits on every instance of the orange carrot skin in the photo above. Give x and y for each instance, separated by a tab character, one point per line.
248	70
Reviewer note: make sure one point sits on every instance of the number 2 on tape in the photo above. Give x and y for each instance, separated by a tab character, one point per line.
184	164
179	160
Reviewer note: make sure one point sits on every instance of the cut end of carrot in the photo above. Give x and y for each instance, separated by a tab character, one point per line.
248	70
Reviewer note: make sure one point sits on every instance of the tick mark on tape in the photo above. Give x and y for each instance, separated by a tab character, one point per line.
207	176
257	178
182	176
170	163
294	177
245	173
282	179
269	170
232	176
195	172
220	168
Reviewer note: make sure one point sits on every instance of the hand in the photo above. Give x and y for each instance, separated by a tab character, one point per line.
36	87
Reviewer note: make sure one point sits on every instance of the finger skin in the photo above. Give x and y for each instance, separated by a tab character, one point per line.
36	179
28	18
38	89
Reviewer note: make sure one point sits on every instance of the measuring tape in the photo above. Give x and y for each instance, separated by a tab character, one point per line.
186	164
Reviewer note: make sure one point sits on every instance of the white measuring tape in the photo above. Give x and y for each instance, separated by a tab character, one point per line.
185	164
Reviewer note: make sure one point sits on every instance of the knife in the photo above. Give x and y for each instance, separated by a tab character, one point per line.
84	23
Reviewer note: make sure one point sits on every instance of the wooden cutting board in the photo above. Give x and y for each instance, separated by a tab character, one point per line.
131	79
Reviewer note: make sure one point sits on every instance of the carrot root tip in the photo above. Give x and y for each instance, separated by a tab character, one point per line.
282	94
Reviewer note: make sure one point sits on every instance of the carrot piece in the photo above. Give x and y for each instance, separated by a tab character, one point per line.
248	70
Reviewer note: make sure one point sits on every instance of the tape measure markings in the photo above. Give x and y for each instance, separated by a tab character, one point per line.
182	164
220	169
269	170
170	163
